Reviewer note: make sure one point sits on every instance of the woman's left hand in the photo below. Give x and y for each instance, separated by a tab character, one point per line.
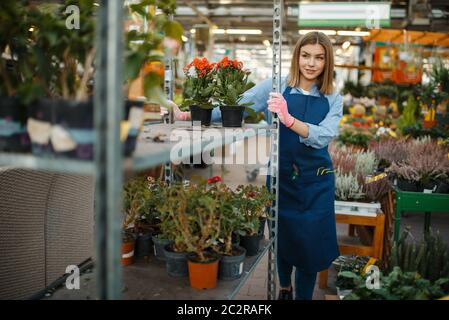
278	105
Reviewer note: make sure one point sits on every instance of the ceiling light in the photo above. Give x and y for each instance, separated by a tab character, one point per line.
266	43
346	45
184	38
353	33
218	31
338	52
192	31
31	29
326	32
243	31
242	38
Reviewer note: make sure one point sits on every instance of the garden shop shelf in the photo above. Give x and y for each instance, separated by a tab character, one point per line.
419	202
148	152
149	280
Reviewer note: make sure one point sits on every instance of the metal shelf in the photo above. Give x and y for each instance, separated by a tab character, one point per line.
149	153
149	280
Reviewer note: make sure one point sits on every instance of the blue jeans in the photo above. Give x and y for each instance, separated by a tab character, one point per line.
304	281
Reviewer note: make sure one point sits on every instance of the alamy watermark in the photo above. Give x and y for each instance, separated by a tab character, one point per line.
199	142
73	20
373	279
73	280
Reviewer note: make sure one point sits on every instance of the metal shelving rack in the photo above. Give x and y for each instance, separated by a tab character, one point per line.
109	165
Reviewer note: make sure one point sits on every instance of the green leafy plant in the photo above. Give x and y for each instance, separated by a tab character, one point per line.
231	83
397	285
145	50
190	218
428	257
409	114
230	216
355	136
135	200
15	26
253	202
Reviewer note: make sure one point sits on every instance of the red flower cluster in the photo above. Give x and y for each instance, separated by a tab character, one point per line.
214	180
201	65
225	63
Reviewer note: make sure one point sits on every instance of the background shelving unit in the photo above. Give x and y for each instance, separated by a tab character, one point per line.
109	165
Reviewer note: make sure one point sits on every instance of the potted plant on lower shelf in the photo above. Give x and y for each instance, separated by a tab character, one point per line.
198	90
134	195
253	202
231	263
231	83
191	219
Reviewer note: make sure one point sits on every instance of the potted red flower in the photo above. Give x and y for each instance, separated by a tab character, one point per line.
198	90
231	83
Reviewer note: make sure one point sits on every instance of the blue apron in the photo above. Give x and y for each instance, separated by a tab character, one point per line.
307	235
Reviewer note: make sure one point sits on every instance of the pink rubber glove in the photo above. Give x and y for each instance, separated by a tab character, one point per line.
177	113
278	105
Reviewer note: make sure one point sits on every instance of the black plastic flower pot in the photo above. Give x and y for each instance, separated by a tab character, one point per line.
159	244
143	245
41	116
200	114
442	187
133	133
235	239
411	186
251	244
13	134
262	222
176	262
77	119
232	116
231	267
430	186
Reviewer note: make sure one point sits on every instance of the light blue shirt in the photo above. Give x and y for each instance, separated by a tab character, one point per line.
319	135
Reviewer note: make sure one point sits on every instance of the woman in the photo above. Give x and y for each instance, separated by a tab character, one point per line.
309	111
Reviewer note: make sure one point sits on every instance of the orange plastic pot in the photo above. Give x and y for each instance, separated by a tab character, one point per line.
203	275
427	124
128	253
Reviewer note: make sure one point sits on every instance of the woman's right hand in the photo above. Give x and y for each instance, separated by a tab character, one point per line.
177	113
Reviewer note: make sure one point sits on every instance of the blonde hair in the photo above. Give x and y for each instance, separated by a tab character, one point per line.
325	79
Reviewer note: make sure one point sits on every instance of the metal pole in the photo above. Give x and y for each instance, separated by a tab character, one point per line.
274	157
168	86
108	102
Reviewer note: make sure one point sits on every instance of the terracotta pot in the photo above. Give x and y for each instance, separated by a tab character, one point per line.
427	124
128	253
203	275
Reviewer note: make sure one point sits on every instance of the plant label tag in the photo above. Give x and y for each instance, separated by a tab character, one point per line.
128	255
427	190
135	118
241	268
39	131
167	75
61	139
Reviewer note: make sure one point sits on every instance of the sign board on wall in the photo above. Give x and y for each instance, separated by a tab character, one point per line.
371	15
